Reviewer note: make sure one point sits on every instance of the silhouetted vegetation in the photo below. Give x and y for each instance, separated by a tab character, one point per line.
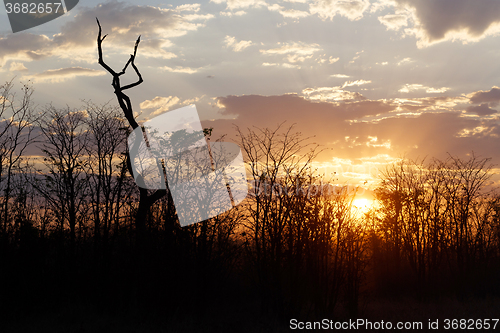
438	223
83	246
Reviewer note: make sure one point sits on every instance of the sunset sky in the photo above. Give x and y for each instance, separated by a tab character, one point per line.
372	80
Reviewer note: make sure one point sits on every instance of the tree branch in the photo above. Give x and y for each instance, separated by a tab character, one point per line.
99	49
124	101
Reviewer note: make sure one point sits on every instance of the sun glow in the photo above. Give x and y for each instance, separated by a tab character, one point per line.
362	205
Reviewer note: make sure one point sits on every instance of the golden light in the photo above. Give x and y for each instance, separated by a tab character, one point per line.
362	204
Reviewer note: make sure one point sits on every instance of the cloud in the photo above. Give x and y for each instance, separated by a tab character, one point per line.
334	125
431	90
444	20
332	94
23	47
261	110
195	7
340	76
476	131
290	13
152	48
17	66
293	58
443	102
180	69
301	49
230	14
293	13
236	46
329	123
284	65
128	22
161	104
123	23
237	4
356	57
393	21
492	97
405	61
159	101
380	5
294	53
328	9
414	87
63	74
192	100
481	110
333	60
355	83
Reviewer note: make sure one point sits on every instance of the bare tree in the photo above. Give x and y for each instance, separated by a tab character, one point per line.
106	169
466	195
16	134
66	184
146	199
435	213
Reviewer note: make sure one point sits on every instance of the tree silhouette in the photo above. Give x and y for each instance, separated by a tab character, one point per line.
66	185
106	171
145	199
16	134
436	215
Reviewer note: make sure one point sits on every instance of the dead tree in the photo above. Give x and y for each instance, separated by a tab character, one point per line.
145	199
16	134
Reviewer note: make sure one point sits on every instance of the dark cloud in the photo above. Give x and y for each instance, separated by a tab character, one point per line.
276	109
342	128
23	46
362	109
481	110
440	100
123	22
328	123
492	97
412	107
438	17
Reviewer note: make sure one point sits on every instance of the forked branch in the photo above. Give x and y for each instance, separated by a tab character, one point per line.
123	99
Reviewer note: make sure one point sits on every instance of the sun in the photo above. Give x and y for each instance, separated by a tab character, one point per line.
362	204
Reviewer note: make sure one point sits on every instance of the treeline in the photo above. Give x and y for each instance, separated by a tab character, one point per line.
439	223
295	248
73	185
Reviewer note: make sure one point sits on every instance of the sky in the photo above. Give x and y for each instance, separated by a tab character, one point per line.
370	80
